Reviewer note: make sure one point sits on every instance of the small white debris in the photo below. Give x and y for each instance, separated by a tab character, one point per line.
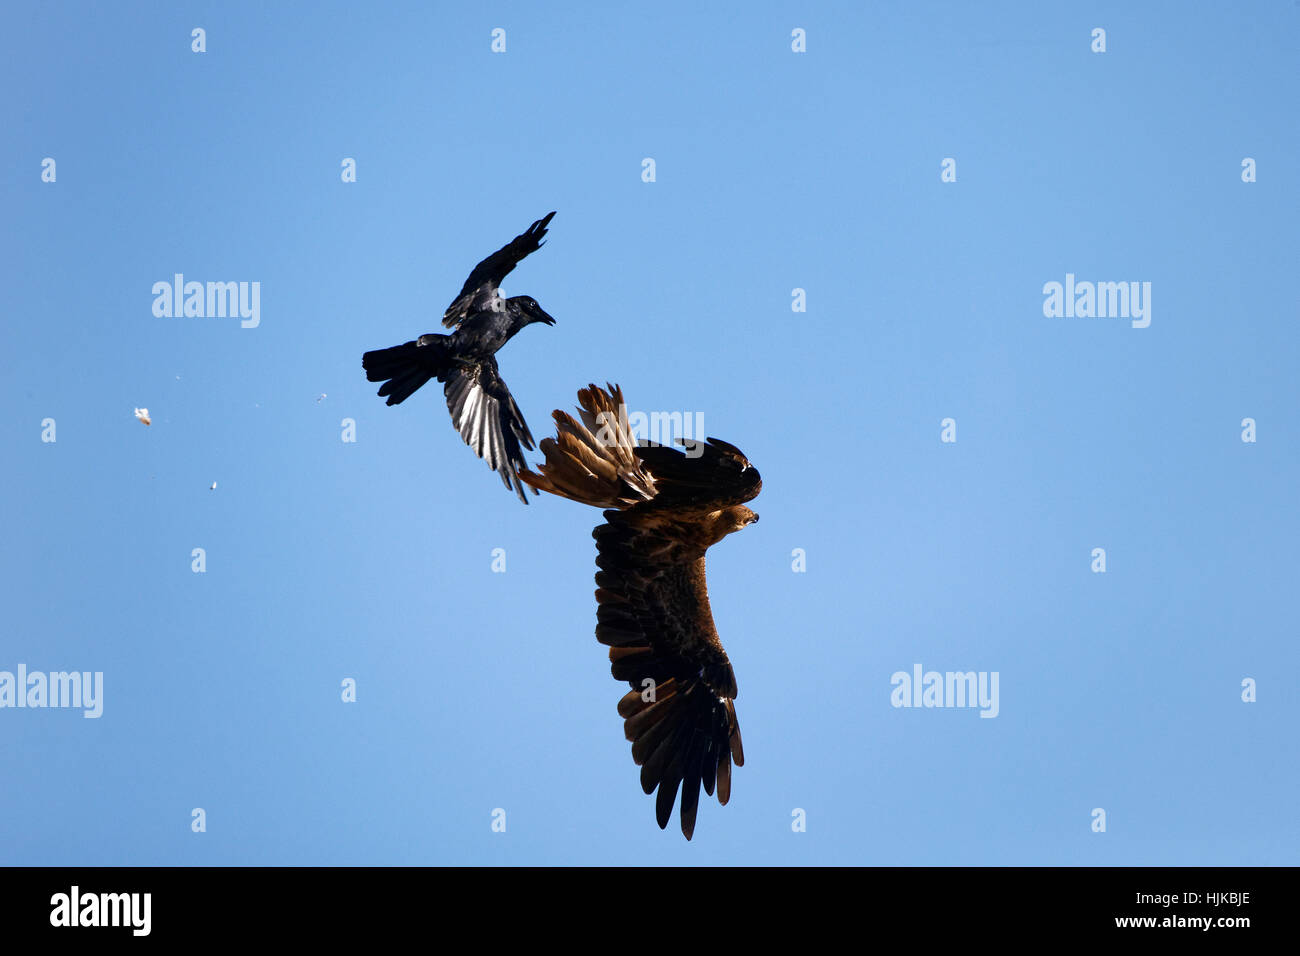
322	398
214	487
143	415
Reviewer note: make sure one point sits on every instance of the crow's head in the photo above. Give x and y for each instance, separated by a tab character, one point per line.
530	310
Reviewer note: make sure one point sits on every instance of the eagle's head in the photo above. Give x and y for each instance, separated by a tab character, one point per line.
738	517
716	525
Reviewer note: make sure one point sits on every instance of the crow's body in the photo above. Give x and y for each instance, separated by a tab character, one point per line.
482	408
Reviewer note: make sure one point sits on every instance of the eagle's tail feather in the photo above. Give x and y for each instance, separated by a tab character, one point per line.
594	460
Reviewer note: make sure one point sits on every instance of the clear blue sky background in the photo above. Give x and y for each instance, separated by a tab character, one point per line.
775	170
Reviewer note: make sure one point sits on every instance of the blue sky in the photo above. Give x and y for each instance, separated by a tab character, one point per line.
774	171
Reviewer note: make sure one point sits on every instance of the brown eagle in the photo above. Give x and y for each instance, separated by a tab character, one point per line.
666	507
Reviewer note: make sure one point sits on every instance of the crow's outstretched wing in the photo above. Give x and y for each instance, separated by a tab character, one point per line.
485	414
481	292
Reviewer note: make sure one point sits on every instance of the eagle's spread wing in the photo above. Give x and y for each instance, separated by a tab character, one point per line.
652	597
653	612
481	292
485	414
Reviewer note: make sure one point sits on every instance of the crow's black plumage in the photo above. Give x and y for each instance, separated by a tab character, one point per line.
482	408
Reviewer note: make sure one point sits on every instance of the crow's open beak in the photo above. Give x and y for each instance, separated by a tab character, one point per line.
543	316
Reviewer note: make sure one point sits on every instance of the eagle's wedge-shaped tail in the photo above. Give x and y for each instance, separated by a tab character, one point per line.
594	461
664	509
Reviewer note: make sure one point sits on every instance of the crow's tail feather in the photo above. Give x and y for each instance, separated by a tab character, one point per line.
404	368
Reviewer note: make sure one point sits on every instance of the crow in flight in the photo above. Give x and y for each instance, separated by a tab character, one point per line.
665	510
482	408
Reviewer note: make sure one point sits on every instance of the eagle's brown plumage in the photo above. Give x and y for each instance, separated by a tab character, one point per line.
665	509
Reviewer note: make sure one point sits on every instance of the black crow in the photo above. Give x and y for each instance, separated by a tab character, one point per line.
481	406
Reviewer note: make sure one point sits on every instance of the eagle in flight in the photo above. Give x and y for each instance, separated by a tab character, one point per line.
482	408
665	508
